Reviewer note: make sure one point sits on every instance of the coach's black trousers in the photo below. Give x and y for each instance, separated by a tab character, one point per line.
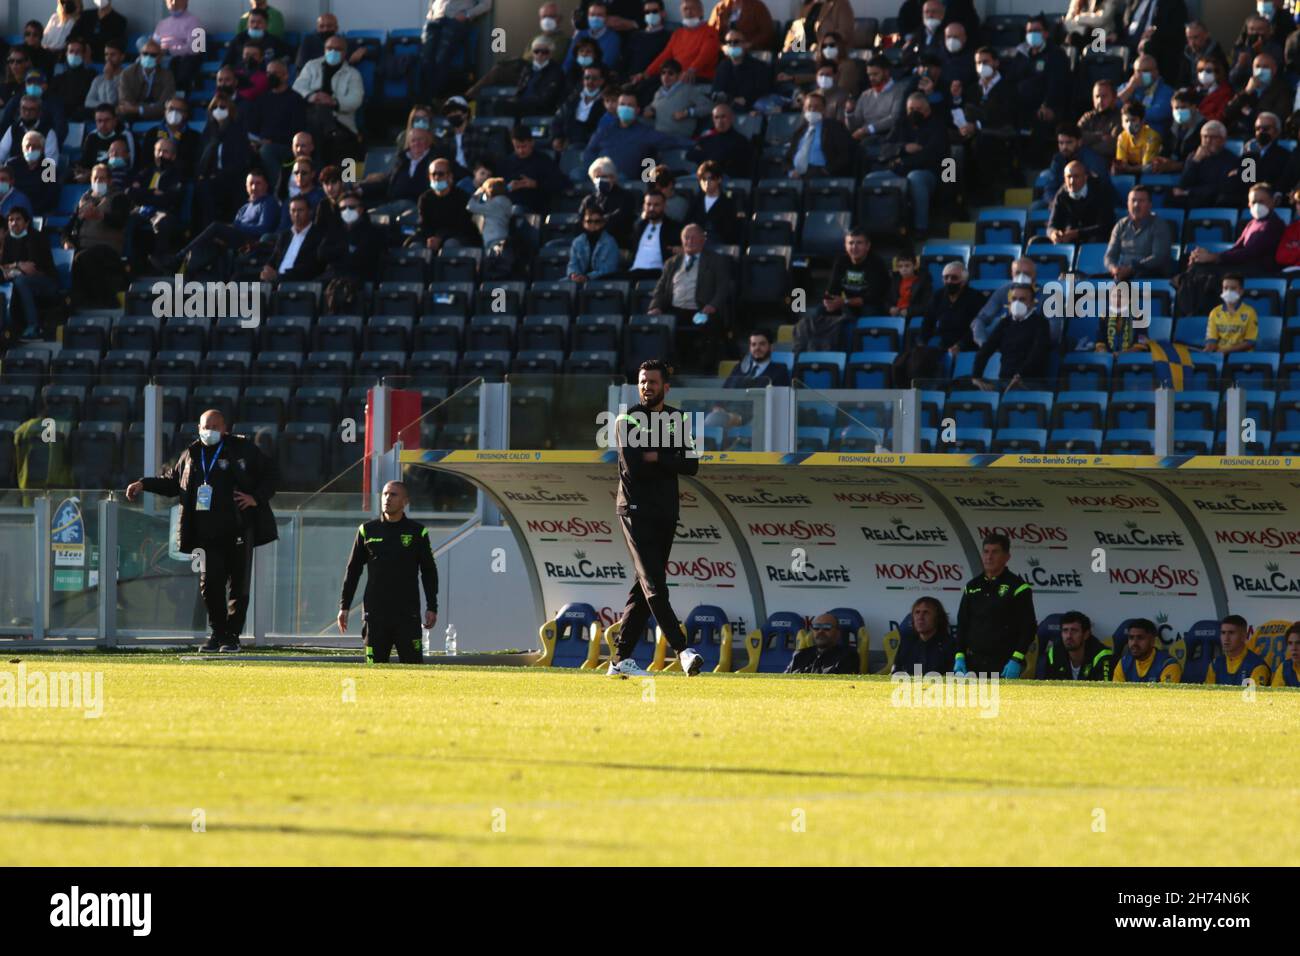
227	569
381	635
649	540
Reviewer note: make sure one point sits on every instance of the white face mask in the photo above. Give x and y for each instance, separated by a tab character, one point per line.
99	189
350	215
174	118
101	4
1022	278
1258	210
549	24
830	52
825	82
812	117
953	44
1231	297
220	115
932	24
986	71
1018	310
690	23
209	436
1206	77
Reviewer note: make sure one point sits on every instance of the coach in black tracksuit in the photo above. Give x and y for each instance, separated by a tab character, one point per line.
647	508
397	551
996	620
225	484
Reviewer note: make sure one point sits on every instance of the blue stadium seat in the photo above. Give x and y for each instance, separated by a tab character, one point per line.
706	625
1195	410
812	438
1052	260
1134	370
572	633
1286	443
936	255
1286	418
1266	295
883	332
1252	369
1193	441
1260	446
1206	371
1131	410
1270	333
870	370
820	370
1080	410
977	441
1001	224
778	636
1129	441
1090	259
993	261
1190	329
1013	440
972	409
1024	410
1088	371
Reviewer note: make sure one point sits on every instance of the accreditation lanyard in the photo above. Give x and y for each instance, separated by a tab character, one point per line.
203	501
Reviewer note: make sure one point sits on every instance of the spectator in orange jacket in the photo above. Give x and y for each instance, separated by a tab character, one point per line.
750	17
695	45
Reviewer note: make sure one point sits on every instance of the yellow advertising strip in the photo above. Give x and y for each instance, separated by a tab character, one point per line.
878	460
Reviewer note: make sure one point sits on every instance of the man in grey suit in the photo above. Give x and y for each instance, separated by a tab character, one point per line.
695	287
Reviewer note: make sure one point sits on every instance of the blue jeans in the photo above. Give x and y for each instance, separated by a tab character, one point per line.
921	184
27	290
443	40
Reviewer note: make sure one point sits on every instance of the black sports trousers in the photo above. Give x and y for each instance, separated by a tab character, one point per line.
649	540
224	583
380	637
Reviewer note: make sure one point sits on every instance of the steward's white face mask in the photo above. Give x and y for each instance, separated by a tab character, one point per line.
209	436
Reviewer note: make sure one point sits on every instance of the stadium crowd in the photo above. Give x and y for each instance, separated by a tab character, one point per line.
637	186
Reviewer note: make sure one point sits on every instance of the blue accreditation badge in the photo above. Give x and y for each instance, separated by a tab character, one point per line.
203	499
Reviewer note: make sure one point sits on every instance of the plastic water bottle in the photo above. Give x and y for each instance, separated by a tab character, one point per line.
426	639
450	646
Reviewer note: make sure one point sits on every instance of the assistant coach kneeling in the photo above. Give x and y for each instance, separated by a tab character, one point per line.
225	484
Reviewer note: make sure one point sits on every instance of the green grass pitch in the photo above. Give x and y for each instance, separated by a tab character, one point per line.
511	766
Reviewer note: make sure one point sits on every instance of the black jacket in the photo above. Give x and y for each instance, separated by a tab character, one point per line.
742	376
568	127
167	197
248	470
649	489
539	92
398	552
1024	345
933	656
840	659
355	251
733	150
749	80
1098	661
670	235
996	617
837	146
402	183
309	264
1093	214
719	222
950	320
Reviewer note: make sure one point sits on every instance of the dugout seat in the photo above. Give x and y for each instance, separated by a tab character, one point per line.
772	646
1202	643
572	638
853	629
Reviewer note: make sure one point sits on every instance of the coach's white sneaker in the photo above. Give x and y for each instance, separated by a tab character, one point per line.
691	661
626	668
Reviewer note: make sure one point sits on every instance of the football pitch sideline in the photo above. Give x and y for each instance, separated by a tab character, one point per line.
243	763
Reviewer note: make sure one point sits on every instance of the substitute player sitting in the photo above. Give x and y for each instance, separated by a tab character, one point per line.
1238	663
1144	663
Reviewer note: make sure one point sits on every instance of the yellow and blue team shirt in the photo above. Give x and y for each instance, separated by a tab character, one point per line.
1139	150
1232	326
1286	675
1157	667
1235	669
